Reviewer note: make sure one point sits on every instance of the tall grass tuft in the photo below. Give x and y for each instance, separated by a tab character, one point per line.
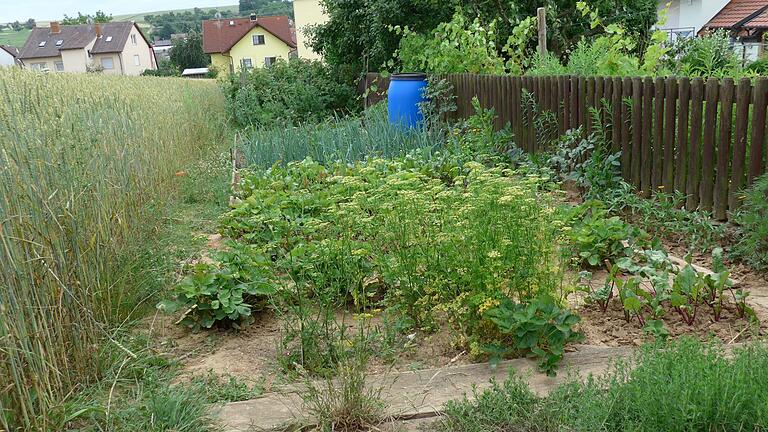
348	140
82	160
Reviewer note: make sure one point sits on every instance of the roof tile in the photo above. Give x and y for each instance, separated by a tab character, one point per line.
76	37
220	35
737	11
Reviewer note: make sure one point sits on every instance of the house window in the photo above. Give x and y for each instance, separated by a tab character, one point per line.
59	65
269	61
258	39
39	66
41	44
133	40
59	42
136	60
109	38
247	63
107	63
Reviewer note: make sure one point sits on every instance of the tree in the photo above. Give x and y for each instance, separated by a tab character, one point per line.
188	53
16	26
98	17
30	24
266	7
358	33
164	25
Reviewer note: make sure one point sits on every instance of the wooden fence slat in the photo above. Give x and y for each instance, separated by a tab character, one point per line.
626	143
694	174
565	109
591	94
706	184
670	105
637	129
616	119
758	131
582	102
574	93
681	154
743	100
723	149
647	129
657	166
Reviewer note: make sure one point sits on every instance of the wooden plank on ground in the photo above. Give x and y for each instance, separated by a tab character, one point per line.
416	394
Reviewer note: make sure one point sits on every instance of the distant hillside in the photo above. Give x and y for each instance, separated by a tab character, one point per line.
14	38
139	17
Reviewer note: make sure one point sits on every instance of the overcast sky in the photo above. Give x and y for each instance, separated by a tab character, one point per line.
45	10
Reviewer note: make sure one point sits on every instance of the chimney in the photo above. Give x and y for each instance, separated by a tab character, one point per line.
97	27
253	17
55	27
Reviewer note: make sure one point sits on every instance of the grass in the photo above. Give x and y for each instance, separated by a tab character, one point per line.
348	140
86	178
684	386
14	38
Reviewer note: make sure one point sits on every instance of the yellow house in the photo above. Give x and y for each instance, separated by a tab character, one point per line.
307	13
237	43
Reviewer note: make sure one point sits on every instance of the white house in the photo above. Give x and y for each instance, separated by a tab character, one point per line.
8	56
685	18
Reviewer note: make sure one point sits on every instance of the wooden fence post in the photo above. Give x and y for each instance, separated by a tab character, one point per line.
541	18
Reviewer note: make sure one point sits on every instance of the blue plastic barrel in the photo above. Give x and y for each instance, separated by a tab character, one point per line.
406	91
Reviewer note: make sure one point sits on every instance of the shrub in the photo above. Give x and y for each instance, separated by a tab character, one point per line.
224	292
289	93
708	56
752	218
680	386
597	237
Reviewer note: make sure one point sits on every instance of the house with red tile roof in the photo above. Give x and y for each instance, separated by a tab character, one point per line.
245	43
746	21
685	18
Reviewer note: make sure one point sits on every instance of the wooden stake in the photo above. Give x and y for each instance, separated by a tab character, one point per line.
541	18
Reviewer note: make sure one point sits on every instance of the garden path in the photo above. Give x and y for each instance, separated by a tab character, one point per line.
417	394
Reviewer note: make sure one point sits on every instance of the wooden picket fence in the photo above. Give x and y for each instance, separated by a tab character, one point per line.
704	138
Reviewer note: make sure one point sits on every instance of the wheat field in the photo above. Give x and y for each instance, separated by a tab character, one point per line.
82	157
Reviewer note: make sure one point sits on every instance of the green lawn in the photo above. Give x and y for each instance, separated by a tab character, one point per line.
14	38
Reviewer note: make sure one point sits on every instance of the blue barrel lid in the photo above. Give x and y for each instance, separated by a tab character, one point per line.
409	76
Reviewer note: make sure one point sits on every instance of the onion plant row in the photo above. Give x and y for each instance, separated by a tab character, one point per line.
81	159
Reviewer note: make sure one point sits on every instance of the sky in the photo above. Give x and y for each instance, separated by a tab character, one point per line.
45	10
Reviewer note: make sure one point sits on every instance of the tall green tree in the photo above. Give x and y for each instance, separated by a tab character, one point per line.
188	53
98	17
358	32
